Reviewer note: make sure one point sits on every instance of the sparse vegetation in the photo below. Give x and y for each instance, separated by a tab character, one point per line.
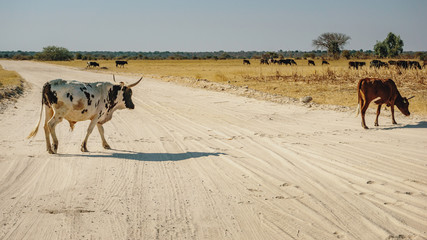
9	78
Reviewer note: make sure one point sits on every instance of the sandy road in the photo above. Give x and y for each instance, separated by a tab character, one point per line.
194	164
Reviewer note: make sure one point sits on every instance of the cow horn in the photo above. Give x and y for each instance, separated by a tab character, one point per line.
114	78
134	84
410	97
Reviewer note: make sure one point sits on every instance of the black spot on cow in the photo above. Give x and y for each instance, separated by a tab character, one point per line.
89	101
84	110
92	96
89	85
83	89
112	96
49	96
70	96
127	98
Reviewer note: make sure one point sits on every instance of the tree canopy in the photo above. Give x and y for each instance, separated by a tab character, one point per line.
392	46
332	42
53	53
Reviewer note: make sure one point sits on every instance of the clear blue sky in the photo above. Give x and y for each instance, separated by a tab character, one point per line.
199	25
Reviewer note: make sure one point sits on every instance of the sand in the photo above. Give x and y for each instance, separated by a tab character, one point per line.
189	163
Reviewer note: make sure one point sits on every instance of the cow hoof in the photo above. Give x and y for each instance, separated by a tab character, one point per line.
50	151
365	127
107	147
376	125
83	149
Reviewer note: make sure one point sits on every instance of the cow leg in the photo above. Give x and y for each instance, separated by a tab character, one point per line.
52	124
392	114
101	132
48	116
89	131
378	114
364	106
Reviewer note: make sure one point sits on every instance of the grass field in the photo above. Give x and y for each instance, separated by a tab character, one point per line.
9	78
329	84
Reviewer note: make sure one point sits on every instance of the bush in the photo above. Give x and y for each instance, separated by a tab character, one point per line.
53	53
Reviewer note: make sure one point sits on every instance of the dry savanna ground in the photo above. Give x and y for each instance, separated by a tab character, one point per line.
329	84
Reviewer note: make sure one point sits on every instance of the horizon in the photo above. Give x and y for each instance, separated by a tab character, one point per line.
201	26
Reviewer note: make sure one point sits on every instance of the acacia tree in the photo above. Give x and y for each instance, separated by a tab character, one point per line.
333	42
390	47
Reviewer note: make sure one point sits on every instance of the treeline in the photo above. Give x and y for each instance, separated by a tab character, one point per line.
217	55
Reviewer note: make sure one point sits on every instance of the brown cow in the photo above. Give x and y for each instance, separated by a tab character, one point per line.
381	91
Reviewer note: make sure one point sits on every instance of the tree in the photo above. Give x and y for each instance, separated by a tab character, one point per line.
53	53
392	46
333	42
381	49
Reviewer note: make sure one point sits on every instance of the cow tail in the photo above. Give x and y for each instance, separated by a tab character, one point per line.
359	97
36	128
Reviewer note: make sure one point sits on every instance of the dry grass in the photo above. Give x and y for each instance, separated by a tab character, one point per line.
330	84
9	78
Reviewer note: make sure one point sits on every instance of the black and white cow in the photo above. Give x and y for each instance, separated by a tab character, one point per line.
78	101
92	64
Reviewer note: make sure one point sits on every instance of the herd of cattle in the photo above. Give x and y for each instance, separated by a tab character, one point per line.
352	64
287	61
380	64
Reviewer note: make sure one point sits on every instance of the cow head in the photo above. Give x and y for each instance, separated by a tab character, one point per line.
120	96
127	94
403	105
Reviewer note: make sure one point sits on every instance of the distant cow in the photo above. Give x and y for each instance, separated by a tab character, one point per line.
311	62
245	61
92	64
287	61
77	101
378	64
324	62
263	61
392	63
402	64
121	63
356	65
414	65
381	91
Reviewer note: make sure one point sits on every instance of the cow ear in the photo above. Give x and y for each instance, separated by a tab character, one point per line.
122	84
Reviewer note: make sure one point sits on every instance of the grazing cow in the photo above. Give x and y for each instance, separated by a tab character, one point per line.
77	101
263	61
414	65
381	91
378	64
245	61
356	65
311	62
424	64
92	64
287	61
402	64
392	63
121	63
324	62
